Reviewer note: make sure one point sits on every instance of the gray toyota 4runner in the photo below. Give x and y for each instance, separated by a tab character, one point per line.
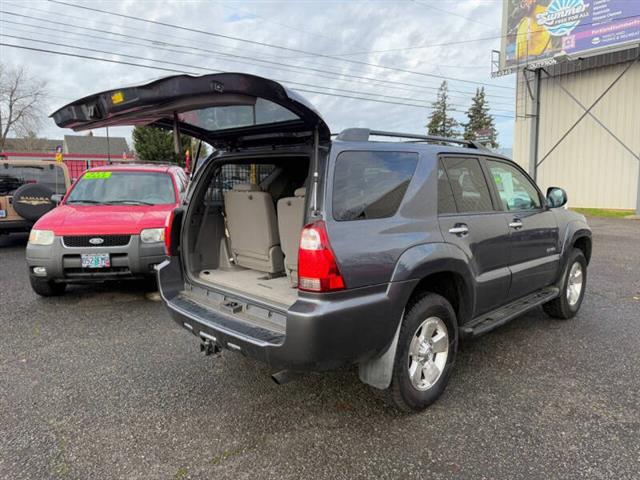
309	252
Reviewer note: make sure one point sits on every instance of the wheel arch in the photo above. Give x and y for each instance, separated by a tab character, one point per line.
439	268
583	242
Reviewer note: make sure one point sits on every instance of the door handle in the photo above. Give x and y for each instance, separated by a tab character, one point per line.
459	229
515	224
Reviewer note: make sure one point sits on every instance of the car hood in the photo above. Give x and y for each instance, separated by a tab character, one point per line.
103	219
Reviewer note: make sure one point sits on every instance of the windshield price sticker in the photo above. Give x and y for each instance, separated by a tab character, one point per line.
97	175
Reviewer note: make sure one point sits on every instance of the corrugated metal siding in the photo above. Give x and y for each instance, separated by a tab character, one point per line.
590	164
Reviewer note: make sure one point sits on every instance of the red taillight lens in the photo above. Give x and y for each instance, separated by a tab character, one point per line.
168	224
317	267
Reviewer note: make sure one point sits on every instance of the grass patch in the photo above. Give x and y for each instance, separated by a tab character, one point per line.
181	473
226	454
603	212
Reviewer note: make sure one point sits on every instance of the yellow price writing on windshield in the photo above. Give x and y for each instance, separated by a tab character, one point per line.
96	175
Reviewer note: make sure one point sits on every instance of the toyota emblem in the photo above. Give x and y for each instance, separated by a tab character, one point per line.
96	241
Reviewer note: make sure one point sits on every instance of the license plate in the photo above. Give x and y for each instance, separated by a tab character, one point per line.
3	214
95	260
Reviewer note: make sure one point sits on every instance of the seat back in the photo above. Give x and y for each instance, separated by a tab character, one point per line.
253	228
290	223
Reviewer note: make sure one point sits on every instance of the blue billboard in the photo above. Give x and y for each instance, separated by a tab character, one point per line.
534	31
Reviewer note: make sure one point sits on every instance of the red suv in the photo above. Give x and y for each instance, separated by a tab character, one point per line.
110	225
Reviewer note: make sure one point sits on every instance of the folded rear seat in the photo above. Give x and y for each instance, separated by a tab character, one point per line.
290	223
253	228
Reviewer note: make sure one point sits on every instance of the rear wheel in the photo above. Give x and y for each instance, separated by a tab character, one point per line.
574	281
47	288
426	353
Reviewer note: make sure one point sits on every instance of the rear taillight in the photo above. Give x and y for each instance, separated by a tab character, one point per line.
317	267
168	224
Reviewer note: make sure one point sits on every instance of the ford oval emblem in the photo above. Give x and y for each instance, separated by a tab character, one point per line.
96	241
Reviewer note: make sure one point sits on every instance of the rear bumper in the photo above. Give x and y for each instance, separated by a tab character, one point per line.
63	264
13	226
322	331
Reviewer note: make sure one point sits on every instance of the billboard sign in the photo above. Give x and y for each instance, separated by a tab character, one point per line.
535	31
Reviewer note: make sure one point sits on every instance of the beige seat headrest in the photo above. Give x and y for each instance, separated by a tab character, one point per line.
246	187
300	192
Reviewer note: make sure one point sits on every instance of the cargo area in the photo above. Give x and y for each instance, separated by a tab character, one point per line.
244	227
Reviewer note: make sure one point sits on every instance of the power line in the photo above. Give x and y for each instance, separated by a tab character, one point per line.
444	44
264	44
104	24
322	72
207	69
166	69
121	42
447	12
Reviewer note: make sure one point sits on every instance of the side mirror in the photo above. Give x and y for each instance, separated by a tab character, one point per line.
556	197
57	198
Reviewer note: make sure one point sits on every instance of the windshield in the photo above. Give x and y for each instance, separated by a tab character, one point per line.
14	176
123	188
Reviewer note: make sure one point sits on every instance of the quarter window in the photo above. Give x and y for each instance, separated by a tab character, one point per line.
514	188
468	185
370	185
446	203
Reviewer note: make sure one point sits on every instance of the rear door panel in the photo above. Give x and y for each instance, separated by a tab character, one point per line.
470	220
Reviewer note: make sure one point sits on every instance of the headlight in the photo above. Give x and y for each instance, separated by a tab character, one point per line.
41	237
152	235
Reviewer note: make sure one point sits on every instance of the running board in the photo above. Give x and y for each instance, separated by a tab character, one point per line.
502	315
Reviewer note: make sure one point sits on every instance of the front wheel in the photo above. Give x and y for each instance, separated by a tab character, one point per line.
427	347
574	281
47	288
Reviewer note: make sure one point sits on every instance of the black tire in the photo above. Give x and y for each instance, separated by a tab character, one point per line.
47	288
402	393
32	201
560	307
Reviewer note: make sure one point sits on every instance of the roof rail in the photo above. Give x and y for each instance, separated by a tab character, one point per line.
363	134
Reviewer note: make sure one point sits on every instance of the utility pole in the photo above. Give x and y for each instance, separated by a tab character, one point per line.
534	139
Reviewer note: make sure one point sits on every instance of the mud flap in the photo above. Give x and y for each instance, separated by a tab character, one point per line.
378	371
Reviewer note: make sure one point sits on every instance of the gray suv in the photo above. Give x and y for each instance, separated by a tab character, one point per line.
309	251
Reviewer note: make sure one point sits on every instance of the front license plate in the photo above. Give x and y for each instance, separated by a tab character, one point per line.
95	260
3	214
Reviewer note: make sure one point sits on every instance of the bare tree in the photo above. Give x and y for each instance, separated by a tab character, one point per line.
22	99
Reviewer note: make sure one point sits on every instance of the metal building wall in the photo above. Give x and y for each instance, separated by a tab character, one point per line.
590	164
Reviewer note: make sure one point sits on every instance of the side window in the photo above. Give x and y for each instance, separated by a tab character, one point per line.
369	185
515	189
182	182
469	187
446	203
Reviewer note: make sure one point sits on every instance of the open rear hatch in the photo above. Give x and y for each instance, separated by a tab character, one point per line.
226	110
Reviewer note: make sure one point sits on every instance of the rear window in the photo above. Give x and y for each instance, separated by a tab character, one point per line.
123	188
13	177
263	112
370	185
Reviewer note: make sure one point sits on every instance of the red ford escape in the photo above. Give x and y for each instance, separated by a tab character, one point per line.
110	225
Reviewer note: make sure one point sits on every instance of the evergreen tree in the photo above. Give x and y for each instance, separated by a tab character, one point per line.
440	123
480	122
156	145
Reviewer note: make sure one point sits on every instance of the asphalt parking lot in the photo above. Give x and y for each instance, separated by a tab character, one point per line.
101	384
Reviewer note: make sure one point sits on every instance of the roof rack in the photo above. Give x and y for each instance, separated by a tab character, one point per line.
363	134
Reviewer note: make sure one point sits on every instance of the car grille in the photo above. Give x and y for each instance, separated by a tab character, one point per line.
84	240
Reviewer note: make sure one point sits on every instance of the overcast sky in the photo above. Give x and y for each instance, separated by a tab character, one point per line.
394	33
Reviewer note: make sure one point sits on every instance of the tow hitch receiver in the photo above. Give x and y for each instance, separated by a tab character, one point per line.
209	345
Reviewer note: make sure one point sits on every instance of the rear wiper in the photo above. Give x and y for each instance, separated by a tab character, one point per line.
83	201
128	202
